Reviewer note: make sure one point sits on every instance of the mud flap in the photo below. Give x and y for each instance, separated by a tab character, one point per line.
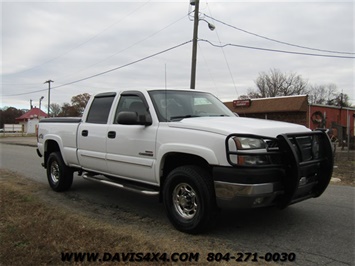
308	165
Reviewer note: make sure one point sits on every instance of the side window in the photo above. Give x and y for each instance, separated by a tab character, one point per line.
100	109
132	103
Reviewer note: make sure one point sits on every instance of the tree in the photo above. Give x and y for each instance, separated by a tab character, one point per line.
77	106
275	83
8	115
55	109
328	95
341	100
68	110
322	94
80	101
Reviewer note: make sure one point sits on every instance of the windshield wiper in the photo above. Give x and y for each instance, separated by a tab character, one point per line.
182	117
218	115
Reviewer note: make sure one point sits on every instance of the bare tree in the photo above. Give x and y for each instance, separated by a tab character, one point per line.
341	100
275	83
327	95
54	109
321	94
244	97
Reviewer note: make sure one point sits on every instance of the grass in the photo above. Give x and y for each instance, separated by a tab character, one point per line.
34	233
37	226
345	168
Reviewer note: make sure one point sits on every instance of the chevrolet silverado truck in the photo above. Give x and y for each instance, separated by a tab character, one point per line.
187	148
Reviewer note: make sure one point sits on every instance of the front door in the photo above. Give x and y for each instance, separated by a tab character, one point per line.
131	148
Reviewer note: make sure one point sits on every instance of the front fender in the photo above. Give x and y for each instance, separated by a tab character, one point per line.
207	154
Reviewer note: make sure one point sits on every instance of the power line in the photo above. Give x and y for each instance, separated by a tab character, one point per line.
116	68
273	40
83	43
174	47
208	67
225	58
134	44
21	84
24	93
108	71
275	50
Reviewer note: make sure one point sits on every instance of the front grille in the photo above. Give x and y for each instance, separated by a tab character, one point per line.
272	147
306	147
309	162
272	144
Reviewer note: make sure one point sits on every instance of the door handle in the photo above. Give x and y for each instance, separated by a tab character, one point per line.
111	134
85	133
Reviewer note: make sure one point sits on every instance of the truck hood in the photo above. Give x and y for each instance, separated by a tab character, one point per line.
229	125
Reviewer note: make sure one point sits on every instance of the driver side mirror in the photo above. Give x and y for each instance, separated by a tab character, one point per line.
132	118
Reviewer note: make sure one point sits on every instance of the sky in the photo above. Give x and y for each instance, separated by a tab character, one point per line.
92	47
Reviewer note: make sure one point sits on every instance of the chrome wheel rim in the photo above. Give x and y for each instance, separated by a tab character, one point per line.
55	174
185	201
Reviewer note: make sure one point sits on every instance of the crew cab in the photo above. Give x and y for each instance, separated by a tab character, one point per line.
189	149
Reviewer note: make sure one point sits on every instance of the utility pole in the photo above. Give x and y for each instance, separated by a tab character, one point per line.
49	93
194	44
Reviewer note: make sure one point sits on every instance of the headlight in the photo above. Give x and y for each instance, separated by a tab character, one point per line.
249	143
252	146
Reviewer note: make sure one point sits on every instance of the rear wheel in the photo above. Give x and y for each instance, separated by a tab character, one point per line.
60	176
189	199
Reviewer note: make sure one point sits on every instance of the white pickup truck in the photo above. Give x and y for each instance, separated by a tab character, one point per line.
187	147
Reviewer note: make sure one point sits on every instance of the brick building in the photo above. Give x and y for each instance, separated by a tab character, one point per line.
291	109
295	109
339	119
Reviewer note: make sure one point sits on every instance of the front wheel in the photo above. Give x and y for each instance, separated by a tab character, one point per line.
60	176
189	199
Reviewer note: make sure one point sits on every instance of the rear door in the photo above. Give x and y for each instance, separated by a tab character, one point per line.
92	134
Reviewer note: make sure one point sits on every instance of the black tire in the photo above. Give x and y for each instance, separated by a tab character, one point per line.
189	199
60	176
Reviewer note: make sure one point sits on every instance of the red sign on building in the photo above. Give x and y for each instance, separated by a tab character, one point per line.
242	103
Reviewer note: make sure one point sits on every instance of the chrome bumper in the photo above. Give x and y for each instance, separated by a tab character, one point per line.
241	196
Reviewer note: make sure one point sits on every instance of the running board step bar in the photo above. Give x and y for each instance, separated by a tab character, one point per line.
133	188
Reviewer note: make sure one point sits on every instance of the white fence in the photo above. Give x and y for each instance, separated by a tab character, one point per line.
13	128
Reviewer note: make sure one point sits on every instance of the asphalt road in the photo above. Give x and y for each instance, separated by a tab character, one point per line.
319	231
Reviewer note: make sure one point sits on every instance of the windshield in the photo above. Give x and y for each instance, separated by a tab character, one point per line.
177	105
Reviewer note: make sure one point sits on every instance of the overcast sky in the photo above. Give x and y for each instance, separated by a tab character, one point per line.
71	41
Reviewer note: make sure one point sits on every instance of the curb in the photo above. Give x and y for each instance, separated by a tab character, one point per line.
19	144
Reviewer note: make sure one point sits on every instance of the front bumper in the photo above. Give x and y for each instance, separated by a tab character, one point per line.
245	196
246	189
296	178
